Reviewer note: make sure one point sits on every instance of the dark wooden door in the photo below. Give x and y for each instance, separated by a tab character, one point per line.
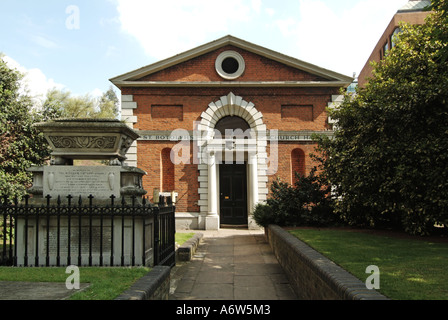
233	194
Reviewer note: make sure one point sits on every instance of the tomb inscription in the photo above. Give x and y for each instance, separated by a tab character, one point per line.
101	182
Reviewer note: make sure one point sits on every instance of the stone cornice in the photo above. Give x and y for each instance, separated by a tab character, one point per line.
166	135
227	84
129	77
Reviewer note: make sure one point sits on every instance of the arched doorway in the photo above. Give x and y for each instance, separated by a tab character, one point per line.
237	157
233	202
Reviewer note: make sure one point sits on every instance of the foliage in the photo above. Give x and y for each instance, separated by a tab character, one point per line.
387	161
21	145
64	105
440	22
264	215
305	203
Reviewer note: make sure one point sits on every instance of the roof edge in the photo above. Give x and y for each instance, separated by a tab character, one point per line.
230	40
239	84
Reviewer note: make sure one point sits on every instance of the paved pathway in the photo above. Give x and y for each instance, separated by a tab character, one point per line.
231	264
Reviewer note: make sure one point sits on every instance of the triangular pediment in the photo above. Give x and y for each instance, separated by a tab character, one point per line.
300	73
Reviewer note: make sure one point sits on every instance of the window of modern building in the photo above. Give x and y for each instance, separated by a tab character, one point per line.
385	50
396	32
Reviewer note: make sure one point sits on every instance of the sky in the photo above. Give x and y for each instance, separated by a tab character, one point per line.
78	45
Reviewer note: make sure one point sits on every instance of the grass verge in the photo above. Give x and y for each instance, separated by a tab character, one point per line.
410	269
105	283
181	238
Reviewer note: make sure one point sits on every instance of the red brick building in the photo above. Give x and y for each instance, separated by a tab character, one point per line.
413	12
219	122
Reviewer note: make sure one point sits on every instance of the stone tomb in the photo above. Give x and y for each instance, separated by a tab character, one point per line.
100	235
83	139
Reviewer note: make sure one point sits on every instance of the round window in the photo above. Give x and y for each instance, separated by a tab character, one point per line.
230	65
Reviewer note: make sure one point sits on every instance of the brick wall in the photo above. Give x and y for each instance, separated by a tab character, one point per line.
269	102
312	275
287	156
171	108
194	101
153	286
258	68
154	159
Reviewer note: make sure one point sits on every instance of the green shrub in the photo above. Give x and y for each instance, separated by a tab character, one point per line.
263	215
306	203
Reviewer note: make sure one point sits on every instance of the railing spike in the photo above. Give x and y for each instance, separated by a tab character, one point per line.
69	197
48	197
133	197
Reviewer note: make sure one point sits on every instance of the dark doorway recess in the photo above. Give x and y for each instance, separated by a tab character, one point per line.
233	194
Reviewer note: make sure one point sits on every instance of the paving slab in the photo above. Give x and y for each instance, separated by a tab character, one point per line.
231	264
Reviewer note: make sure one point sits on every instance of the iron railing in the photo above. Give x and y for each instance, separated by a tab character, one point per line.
70	232
164	236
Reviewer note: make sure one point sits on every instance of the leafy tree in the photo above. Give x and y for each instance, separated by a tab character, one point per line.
108	104
440	30
62	104
387	161
21	146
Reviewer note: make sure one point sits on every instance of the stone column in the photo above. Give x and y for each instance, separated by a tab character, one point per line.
212	219
253	167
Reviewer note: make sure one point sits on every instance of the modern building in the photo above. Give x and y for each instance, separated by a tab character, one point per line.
413	12
220	122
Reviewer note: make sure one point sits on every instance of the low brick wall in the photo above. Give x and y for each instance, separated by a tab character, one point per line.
153	286
312	275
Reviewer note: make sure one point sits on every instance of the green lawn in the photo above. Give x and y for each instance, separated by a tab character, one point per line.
182	237
105	283
410	269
